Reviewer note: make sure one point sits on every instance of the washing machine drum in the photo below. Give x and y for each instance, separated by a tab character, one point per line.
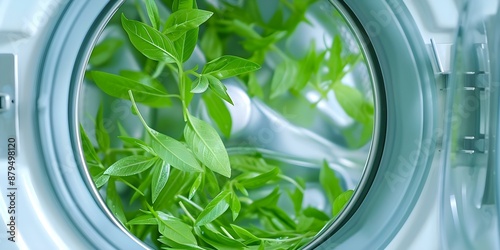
250	125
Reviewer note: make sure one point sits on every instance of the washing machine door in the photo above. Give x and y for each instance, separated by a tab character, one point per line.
470	186
45	203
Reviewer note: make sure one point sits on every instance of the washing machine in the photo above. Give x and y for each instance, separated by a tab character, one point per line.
429	177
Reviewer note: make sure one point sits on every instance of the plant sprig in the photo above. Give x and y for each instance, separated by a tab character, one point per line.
188	192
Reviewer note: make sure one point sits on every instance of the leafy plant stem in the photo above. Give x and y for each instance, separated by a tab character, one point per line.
131	186
190	202
292	181
226	232
159	69
183	91
187	212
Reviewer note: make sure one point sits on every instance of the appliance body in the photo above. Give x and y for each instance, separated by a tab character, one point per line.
413	201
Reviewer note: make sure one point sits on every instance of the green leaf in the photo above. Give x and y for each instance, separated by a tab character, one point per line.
218	240
235	205
154	15
248	163
341	201
175	153
200	85
329	182
176	230
130	165
260	180
297	197
195	186
211	182
254	87
214	209
145	219
218	88
241	188
316	214
229	66
219	113
181	21
284	78
101	133
160	173
150	42
183	5
114	203
281	216
211	44
335	63
119	86
136	142
353	103
144	79
307	68
101	179
186	44
104	51
172	245
244	234
268	201
88	149
262	43
207	146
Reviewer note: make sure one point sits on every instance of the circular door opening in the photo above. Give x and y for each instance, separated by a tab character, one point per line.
229	124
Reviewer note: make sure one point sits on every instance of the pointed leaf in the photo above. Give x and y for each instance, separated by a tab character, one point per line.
176	230
150	42
244	234
183	5
195	186
137	143
144	79
307	67
330	182
200	85
207	146
118	86
114	203
100	180
146	219
186	44
101	133
181	21
130	165
220	241
229	66
341	201
88	149
260	180
284	78
214	209
219	113
218	88
316	214
175	153
160	173
353	103
104	51
334	62
154	15
235	205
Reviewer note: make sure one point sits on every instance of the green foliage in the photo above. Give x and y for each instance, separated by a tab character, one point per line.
186	191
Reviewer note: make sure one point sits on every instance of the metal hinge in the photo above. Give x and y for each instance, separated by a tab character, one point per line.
472	112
